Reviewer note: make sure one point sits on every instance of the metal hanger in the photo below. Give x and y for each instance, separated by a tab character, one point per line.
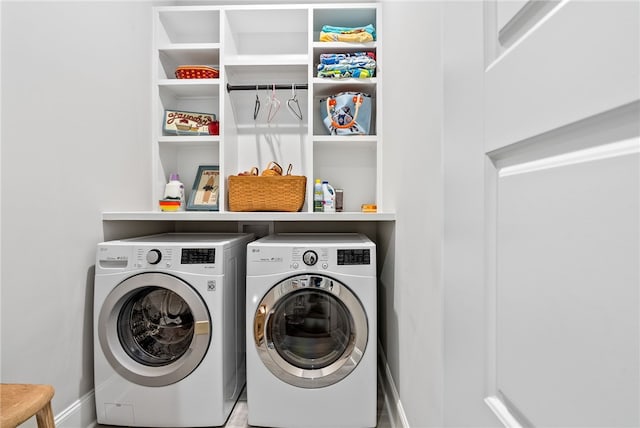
292	103
256	107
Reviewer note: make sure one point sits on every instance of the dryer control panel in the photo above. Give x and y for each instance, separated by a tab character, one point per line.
276	259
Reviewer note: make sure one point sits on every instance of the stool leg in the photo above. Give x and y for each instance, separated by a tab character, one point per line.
45	417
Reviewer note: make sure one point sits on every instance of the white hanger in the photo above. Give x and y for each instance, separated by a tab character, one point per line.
274	104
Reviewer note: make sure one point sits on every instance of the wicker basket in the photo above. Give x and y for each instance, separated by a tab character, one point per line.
271	193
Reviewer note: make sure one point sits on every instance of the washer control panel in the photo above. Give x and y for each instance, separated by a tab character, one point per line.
361	256
193	256
310	257
196	259
154	256
304	256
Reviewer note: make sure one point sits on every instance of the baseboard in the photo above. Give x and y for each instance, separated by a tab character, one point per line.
80	414
392	403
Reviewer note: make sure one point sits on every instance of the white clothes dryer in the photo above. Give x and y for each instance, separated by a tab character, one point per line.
311	331
169	329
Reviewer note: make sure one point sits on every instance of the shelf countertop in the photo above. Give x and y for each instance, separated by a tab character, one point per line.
243	216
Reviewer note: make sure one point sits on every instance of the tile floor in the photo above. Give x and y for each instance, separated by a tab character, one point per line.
238	418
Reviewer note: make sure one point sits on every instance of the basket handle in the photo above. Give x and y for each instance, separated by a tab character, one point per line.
273	165
331	104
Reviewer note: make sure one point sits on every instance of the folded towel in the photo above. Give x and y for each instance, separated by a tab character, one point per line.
347	58
348	34
330	67
345	73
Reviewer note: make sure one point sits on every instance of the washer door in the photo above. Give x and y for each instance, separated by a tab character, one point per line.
310	331
154	329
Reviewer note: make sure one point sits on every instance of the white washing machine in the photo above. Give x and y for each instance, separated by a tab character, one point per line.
311	331
169	329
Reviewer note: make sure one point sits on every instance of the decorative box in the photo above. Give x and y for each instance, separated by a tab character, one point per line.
196	72
169	204
189	123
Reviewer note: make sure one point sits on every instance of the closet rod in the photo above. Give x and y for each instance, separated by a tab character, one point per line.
263	87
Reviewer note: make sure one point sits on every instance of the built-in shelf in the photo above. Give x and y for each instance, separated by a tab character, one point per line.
249	50
333	46
345	139
244	216
258	60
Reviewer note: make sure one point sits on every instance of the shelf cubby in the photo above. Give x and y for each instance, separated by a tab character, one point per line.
170	58
276	31
188	25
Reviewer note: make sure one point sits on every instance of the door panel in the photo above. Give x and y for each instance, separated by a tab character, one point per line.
580	60
567	292
562	142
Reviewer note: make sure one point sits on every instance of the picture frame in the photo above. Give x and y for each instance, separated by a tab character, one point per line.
205	192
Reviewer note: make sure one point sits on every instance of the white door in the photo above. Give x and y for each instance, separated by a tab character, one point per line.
562	113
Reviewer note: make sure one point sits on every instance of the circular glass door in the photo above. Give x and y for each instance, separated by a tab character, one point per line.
310	331
154	329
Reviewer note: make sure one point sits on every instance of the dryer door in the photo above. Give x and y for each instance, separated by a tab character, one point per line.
154	329
310	331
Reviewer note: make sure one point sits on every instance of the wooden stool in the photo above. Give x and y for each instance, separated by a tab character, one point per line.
19	402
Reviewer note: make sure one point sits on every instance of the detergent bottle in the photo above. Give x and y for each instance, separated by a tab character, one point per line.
329	195
174	189
318	196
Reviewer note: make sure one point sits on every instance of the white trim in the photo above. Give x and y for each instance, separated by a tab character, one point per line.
502	413
392	404
530	31
81	413
620	148
491	270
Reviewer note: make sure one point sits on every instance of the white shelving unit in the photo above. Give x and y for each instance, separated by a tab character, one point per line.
263	46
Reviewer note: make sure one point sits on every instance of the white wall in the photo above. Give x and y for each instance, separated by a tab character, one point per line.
465	325
75	132
412	313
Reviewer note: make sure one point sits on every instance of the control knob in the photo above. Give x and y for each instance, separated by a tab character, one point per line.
310	258
154	256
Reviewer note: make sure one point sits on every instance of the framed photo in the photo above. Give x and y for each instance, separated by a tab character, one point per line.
206	189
